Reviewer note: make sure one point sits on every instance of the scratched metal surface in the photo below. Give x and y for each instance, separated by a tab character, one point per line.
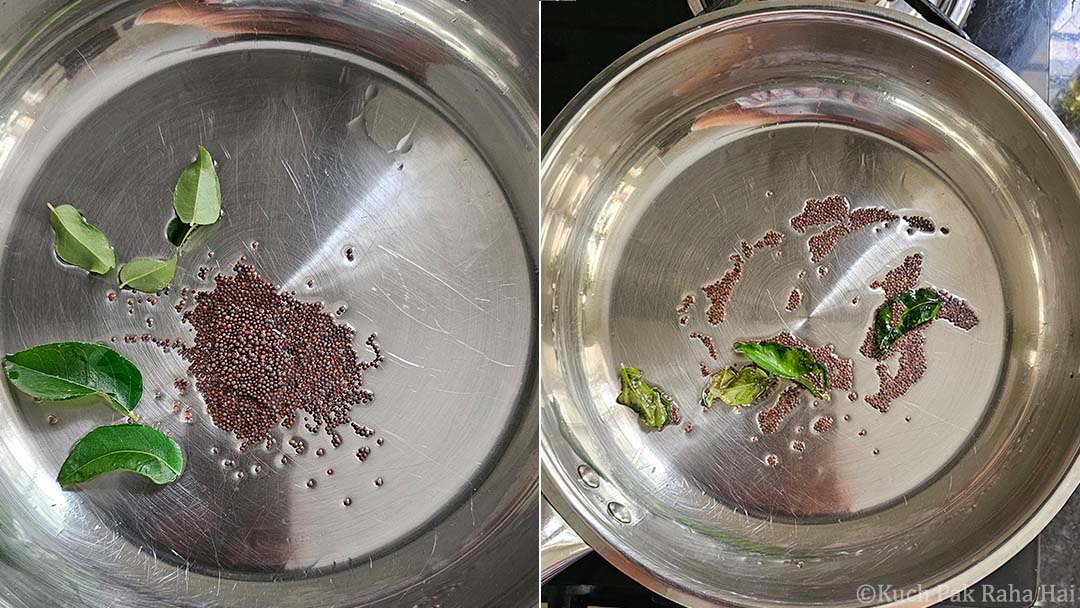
405	130
649	181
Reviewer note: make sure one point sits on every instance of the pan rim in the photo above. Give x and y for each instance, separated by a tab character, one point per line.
557	485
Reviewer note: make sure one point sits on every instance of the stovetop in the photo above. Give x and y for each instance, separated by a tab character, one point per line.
1038	39
591	582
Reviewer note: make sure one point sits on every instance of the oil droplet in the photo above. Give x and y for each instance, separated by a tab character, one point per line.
619	512
311	483
378	482
347	501
588	476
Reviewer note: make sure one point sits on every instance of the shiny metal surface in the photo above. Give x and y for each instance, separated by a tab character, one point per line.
560	546
405	130
718	131
955	10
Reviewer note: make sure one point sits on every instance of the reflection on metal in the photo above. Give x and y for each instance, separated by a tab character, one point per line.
559	545
956	10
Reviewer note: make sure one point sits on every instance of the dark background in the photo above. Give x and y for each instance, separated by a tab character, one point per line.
579	38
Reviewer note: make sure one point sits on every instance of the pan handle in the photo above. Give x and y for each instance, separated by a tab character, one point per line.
560	546
926	9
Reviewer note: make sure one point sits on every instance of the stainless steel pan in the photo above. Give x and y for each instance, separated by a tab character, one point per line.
719	130
406	130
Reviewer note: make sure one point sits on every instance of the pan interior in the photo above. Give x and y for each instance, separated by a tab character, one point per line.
344	182
650	189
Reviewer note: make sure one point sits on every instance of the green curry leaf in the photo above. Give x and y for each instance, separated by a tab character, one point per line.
197	197
147	275
79	243
177	232
736	388
916	307
789	362
70	370
651	404
123	447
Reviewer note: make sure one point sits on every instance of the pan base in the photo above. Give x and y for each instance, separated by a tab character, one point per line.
318	153
867	459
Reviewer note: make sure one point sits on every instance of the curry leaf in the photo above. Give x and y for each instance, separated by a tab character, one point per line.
788	362
197	197
123	447
177	231
147	275
651	404
914	308
736	388
79	243
718	381
69	370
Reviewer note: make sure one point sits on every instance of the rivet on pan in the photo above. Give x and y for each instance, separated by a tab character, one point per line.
588	476
619	512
